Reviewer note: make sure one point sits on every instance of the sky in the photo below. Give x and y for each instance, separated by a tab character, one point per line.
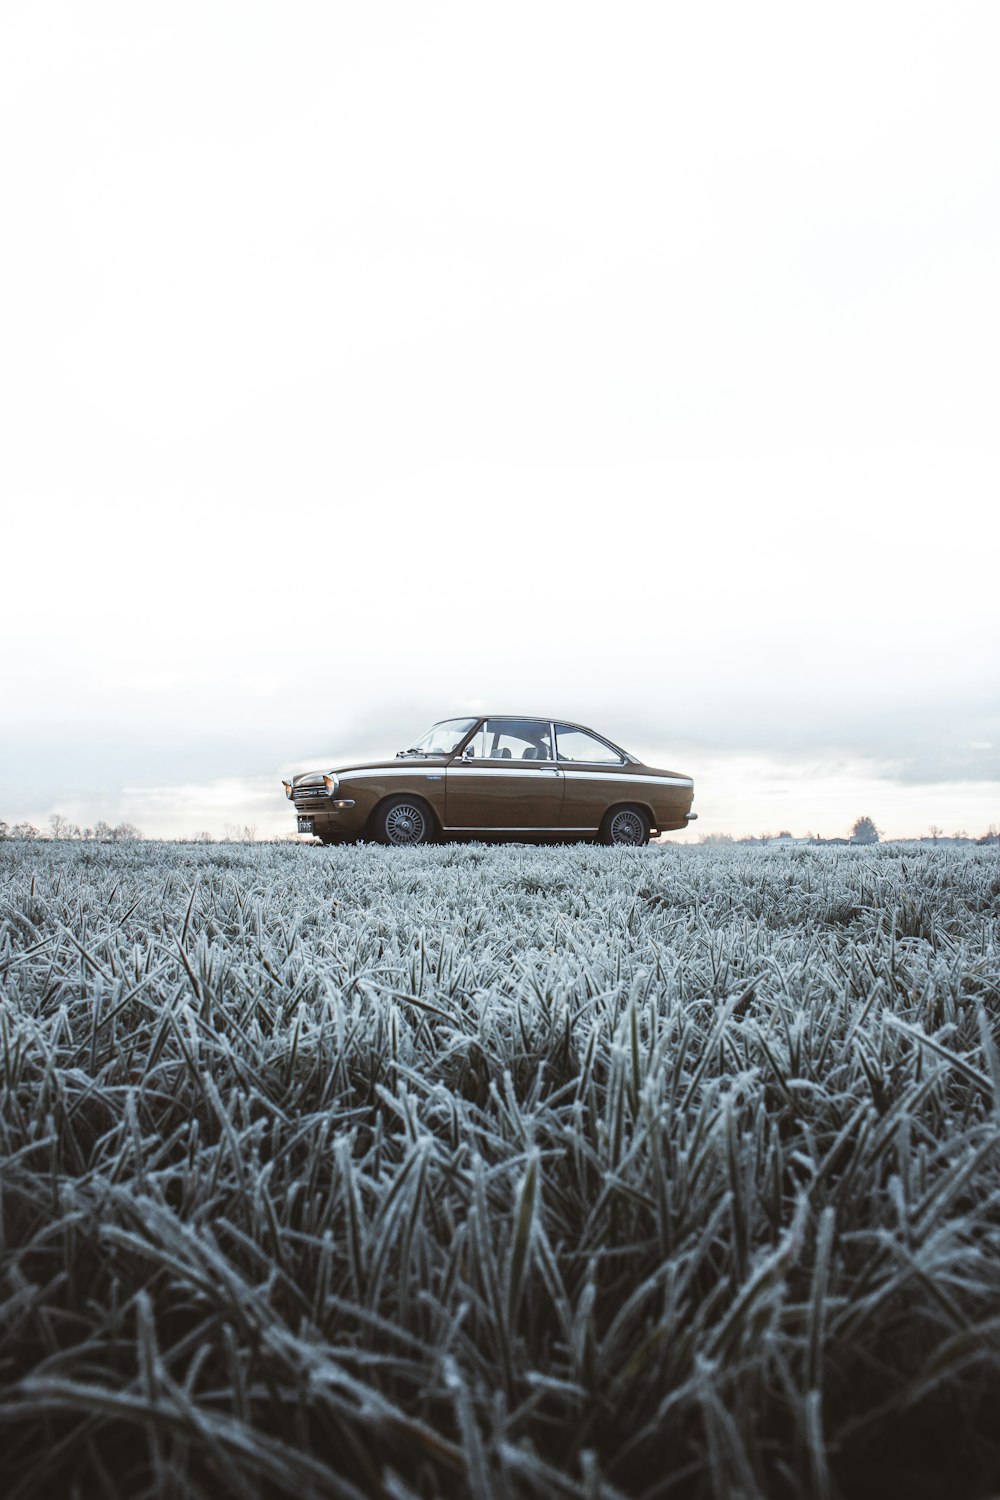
366	365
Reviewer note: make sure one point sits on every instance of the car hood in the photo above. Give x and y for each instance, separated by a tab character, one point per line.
418	762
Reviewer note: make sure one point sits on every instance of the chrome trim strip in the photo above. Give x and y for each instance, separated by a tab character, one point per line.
540	768
378	771
628	780
537	768
534	828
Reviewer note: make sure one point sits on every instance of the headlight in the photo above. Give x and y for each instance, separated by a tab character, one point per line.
288	789
331	783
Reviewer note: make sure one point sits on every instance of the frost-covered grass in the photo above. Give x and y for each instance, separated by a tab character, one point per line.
499	1172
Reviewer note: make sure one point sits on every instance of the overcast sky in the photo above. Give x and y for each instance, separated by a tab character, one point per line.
361	365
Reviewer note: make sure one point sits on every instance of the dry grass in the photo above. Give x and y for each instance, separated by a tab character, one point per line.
498	1172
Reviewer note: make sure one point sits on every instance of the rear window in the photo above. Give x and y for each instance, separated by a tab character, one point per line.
577	745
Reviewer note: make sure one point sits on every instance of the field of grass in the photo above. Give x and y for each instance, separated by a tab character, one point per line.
505	1172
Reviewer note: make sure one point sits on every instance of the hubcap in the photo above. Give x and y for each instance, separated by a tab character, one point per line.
626	828
405	824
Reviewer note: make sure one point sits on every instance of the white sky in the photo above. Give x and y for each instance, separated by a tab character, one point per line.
364	364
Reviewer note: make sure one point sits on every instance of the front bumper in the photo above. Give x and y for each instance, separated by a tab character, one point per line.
323	815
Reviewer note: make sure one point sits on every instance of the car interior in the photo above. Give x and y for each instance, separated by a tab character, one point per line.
516	739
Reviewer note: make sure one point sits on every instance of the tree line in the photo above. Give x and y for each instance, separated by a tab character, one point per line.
61	828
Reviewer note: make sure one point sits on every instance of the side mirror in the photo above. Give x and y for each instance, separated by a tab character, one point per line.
469	753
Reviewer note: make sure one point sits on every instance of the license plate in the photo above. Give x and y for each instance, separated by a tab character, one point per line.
307	825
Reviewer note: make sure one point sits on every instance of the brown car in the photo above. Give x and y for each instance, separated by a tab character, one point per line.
500	777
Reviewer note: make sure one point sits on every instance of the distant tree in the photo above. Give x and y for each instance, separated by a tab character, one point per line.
960	833
935	832
57	825
4	830
716	838
103	831
784	834
864	832
24	831
202	837
124	831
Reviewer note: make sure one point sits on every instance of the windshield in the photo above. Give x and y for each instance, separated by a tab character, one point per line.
442	739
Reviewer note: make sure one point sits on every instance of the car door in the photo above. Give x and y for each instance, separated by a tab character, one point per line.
507	780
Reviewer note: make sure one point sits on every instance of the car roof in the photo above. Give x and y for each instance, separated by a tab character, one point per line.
546	719
537	718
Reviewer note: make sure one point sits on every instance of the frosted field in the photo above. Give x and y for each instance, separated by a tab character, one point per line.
499	1172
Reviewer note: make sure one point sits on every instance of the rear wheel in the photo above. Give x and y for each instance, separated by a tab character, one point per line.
402	821
625	825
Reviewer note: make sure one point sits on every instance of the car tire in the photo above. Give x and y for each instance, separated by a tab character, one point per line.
625	825
403	822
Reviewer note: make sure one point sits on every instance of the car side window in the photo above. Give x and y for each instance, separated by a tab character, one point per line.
477	745
577	745
517	739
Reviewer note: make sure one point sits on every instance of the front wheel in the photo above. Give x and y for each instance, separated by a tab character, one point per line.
402	821
625	825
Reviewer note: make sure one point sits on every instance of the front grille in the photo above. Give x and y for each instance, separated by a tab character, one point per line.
309	796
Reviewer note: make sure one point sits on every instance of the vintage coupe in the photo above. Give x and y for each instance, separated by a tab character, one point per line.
497	777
